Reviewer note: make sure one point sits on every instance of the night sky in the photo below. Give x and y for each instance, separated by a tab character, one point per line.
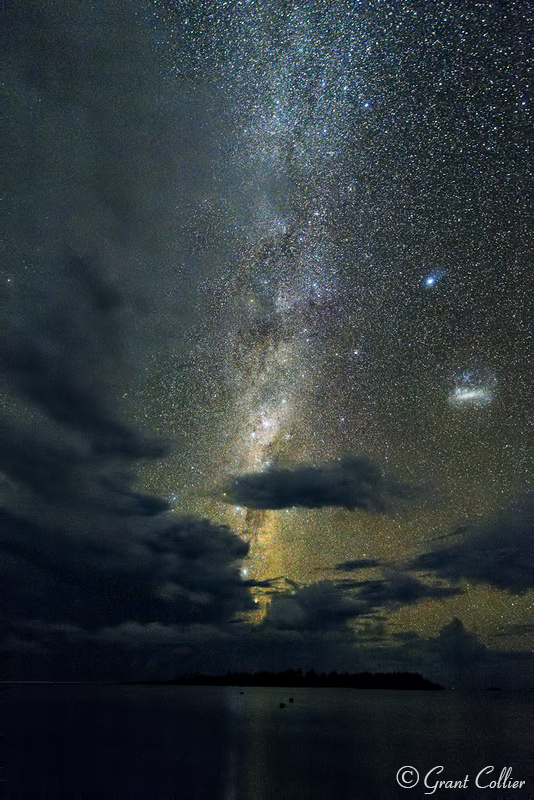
268	340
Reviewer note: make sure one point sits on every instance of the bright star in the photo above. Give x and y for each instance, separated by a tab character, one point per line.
432	280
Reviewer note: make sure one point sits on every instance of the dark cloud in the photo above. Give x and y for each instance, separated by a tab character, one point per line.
517	629
94	168
459	650
329	605
402	589
455	657
68	455
85	547
161	650
50	463
499	551
55	367
169	569
352	482
356	564
319	606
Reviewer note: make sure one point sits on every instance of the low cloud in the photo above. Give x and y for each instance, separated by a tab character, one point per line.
84	546
499	551
353	482
329	605
175	569
319	606
357	564
517	629
401	589
97	171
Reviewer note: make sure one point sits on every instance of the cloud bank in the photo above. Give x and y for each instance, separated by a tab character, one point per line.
499	551
97	169
352	482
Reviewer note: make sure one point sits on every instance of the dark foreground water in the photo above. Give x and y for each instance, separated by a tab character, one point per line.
157	742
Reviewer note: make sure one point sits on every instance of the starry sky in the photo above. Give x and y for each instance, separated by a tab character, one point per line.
269	351
377	304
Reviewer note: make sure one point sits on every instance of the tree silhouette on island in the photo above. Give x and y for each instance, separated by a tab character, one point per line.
295	678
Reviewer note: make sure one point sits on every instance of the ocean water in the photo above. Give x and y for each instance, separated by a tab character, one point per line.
223	743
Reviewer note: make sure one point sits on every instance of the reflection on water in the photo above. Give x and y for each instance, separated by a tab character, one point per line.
201	742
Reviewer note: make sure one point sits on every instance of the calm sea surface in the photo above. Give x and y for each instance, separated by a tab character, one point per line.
78	742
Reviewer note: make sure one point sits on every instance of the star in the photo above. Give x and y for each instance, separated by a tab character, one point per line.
434	279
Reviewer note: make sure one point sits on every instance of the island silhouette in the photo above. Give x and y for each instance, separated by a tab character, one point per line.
295	678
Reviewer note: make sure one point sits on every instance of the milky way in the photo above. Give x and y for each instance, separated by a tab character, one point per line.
370	187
